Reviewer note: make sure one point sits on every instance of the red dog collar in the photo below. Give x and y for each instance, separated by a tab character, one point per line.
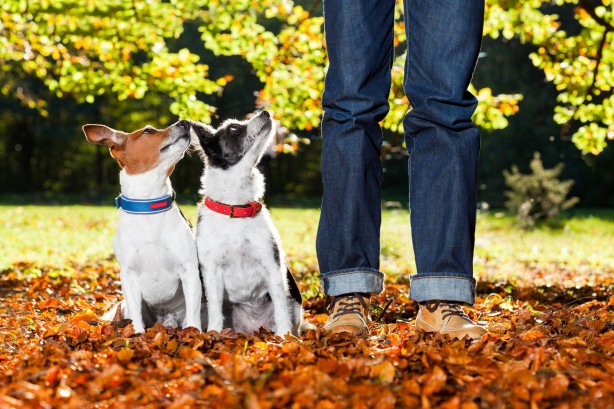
251	209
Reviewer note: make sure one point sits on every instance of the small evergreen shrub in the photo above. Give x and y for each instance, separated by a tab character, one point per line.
540	195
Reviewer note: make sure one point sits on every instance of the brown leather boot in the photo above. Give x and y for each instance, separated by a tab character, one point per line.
348	313
447	318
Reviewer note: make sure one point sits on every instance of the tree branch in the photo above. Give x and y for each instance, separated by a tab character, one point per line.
598	57
590	9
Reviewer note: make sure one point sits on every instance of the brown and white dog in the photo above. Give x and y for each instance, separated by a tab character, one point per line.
154	243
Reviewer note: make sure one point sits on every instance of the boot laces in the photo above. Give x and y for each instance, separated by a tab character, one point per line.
348	304
448	310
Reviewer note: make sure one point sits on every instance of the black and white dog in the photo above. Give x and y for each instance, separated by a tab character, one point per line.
247	283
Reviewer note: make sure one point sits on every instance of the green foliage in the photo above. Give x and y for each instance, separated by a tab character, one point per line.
539	195
138	52
87	49
575	55
291	62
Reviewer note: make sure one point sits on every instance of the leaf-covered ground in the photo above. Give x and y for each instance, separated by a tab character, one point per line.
548	347
546	295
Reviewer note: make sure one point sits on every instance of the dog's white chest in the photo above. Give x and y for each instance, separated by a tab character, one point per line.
241	251
154	251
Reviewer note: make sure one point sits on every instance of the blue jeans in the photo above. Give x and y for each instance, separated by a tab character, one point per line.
444	38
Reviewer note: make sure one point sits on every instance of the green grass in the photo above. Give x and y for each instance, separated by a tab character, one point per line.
56	235
582	242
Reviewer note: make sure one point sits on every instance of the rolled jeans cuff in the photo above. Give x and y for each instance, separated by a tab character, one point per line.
353	280
443	287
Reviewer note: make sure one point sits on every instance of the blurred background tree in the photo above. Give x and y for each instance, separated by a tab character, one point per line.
539	195
67	62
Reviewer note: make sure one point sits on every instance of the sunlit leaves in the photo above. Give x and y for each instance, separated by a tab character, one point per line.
86	49
591	138
295	85
550	319
493	110
292	63
577	58
542	351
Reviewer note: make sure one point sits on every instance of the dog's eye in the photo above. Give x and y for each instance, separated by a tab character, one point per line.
149	129
234	128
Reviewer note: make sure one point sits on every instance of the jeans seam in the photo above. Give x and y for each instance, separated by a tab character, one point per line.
412	147
438	276
328	275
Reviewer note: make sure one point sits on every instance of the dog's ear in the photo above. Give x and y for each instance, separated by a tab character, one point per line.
201	135
103	135
202	131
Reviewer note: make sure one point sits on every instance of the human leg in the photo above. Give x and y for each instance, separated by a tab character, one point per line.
359	40
443	44
444	38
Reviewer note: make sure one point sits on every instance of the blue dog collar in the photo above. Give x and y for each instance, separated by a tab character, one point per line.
145	206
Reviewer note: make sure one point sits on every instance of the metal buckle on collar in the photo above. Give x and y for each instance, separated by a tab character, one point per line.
256	207
252	205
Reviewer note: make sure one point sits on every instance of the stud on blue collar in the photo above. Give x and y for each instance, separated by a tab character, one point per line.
145	206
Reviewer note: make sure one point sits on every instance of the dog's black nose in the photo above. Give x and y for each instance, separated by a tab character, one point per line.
184	124
265	113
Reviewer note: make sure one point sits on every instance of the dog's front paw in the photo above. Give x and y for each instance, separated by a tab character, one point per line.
193	325
138	325
138	329
214	328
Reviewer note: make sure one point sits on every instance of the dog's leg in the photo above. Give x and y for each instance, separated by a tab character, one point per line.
192	291
296	314
214	289
296	303
204	318
133	298
278	289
